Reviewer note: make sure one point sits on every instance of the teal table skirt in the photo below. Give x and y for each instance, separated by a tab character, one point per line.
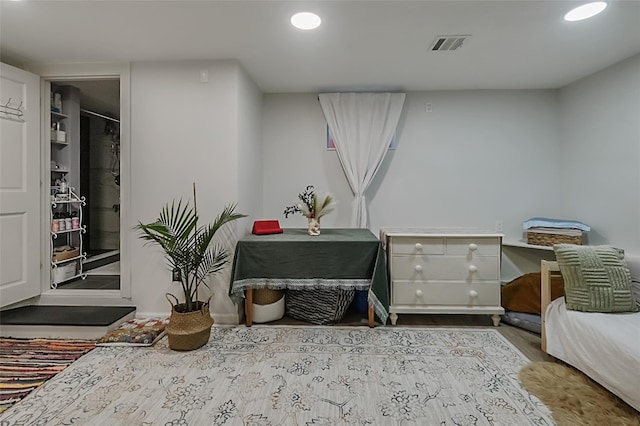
337	258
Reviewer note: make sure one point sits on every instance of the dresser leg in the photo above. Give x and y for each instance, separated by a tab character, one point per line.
394	318
248	306
496	319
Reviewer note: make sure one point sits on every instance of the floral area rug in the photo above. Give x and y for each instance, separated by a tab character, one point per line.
295	375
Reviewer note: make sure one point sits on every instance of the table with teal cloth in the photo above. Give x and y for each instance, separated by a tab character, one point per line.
348	258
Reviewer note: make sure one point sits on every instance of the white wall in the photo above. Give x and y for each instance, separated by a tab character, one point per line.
600	136
295	155
182	131
480	156
250	157
248	172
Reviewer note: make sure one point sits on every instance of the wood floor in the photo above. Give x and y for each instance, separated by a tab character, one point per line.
94	282
528	343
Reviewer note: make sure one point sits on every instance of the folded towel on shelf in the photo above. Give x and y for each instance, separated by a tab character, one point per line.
544	222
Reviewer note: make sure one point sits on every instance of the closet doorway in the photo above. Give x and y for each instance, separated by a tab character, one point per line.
93	157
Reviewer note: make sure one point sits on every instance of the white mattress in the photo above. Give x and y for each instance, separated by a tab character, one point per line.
606	347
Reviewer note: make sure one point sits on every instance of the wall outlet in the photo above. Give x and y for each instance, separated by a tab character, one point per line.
498	226
429	107
175	275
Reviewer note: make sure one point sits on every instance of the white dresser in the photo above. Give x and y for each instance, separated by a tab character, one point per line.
443	271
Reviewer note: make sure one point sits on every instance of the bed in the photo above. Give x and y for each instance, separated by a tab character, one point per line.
604	346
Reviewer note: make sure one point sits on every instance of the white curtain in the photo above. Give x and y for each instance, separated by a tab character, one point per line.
362	125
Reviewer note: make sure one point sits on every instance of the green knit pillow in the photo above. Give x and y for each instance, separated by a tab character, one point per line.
596	278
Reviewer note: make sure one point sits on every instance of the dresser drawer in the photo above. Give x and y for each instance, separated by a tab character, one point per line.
445	293
477	246
417	245
433	267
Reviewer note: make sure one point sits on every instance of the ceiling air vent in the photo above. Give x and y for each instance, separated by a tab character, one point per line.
443	43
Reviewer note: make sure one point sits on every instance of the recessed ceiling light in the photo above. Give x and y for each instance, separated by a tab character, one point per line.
306	20
585	11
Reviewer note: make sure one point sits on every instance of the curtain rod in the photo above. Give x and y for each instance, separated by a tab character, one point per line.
100	115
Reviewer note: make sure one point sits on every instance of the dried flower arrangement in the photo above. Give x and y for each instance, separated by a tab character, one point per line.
310	205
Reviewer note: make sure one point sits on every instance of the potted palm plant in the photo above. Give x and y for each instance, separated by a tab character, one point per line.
191	257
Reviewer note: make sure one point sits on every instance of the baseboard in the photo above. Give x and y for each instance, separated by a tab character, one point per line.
152	314
226	319
101	256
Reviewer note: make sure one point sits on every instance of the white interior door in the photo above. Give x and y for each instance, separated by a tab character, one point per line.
19	185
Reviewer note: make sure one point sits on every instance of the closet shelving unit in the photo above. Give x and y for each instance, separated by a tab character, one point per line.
58	170
67	265
67	252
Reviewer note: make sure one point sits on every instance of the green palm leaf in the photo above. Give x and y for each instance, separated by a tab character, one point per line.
187	247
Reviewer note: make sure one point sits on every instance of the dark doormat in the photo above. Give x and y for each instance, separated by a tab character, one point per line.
64	315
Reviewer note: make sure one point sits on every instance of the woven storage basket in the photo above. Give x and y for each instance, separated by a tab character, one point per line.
546	239
188	330
319	306
267	313
266	296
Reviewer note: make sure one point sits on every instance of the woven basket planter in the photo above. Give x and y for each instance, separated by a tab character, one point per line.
187	331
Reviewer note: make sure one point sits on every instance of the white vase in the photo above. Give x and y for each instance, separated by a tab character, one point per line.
314	226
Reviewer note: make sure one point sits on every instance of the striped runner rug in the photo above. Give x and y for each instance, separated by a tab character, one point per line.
26	364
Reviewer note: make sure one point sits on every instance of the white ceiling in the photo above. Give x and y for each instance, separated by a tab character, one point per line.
362	45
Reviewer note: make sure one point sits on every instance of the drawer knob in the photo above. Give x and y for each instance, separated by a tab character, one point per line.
418	246
419	293
473	247
473	294
418	268
473	268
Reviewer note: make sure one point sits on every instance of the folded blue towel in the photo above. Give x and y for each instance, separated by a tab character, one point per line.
544	222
